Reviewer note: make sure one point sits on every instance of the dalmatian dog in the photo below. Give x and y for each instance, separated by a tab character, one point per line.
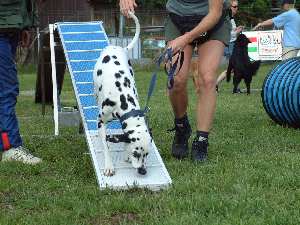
117	96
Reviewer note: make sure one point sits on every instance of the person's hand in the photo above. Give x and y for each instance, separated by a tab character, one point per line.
239	29
257	26
178	43
126	6
25	38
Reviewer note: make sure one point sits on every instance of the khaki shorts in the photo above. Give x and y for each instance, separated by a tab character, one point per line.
221	34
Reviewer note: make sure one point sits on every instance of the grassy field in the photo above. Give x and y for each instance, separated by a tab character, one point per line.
252	175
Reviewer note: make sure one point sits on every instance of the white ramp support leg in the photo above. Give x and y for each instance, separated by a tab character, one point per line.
82	43
54	81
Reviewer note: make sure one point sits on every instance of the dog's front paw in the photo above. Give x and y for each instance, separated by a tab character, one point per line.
110	171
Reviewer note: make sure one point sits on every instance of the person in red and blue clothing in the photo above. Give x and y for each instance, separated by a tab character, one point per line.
17	17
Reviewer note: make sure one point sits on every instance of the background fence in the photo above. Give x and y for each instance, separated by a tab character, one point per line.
152	24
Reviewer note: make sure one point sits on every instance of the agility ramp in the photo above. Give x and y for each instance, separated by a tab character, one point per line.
82	43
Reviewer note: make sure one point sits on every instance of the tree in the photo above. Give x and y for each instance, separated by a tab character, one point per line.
251	11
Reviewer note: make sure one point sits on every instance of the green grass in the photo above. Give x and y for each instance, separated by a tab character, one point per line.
252	176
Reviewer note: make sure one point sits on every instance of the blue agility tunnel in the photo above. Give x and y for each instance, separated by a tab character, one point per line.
281	93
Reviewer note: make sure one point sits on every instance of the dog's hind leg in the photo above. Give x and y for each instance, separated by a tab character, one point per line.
248	82
236	82
108	165
228	71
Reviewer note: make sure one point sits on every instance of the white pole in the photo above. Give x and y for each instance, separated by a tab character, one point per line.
54	83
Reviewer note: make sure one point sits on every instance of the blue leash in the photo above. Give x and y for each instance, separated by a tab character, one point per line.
168	55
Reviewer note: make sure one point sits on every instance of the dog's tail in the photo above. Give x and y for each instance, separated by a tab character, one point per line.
255	66
137	31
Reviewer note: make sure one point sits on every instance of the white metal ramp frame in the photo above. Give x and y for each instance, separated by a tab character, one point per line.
82	43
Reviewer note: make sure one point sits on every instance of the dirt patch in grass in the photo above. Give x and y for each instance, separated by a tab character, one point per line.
116	218
6	201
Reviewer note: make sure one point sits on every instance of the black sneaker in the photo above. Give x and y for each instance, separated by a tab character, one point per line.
180	148
199	150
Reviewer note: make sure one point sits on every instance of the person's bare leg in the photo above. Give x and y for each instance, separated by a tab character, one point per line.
178	94
221	77
179	100
209	57
210	54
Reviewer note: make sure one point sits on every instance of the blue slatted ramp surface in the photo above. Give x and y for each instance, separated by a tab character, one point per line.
82	43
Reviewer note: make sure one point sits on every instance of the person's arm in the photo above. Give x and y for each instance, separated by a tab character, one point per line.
126	6
239	29
208	22
265	23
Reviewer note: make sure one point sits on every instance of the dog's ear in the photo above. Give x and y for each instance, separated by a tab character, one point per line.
242	40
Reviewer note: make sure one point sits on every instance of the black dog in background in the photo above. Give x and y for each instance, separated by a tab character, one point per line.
241	65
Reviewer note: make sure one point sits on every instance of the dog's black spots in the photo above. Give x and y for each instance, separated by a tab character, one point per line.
108	102
117	63
102	113
99	72
142	170
124	125
124	104
120	89
118	84
131	72
146	131
114	56
115	115
141	148
106	59
138	125
112	138
121	71
130	132
126	82
100	124
129	63
117	75
100	88
130	99
99	115
138	139
133	139
136	154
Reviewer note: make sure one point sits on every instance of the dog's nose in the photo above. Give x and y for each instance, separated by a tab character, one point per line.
142	170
